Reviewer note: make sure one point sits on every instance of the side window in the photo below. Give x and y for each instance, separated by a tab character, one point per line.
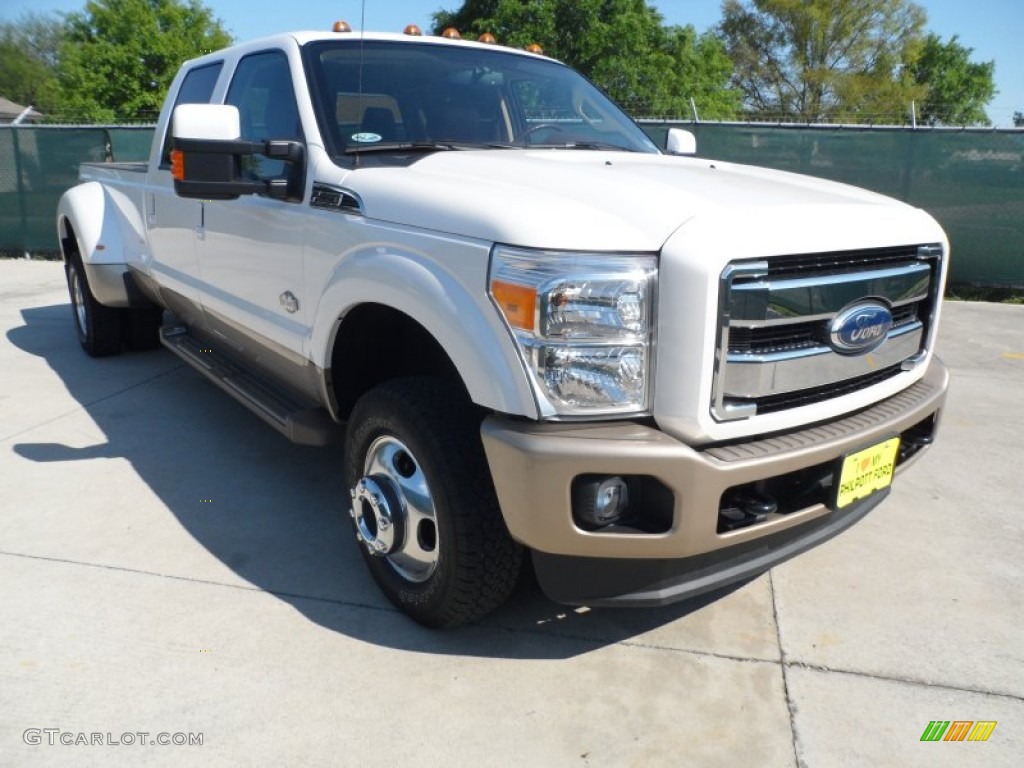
196	88
262	91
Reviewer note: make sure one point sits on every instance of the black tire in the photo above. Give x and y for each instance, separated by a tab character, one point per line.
98	327
141	328
432	440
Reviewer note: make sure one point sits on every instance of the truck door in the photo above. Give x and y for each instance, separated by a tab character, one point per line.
250	249
172	221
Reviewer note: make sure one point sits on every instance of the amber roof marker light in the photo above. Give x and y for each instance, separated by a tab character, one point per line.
534	48
413	30
487	37
341	26
452	34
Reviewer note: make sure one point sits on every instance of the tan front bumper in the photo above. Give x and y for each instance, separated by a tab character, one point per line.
533	466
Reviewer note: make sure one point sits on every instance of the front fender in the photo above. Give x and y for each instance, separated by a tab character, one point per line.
109	234
462	321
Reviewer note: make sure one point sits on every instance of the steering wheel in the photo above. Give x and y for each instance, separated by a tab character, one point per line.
553	126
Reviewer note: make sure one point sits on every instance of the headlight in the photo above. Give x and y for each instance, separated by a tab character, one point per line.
583	325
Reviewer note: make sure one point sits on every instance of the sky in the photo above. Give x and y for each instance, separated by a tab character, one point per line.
991	27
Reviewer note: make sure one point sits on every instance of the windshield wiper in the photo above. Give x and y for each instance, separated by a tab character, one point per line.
399	147
417	146
598	145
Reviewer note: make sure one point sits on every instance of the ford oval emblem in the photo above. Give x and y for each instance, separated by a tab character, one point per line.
860	327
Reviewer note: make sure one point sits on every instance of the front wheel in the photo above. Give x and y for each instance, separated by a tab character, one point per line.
423	505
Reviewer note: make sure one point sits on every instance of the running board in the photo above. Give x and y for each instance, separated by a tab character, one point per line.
301	422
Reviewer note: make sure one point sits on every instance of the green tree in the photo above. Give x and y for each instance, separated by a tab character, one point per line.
958	89
120	56
464	19
1018	119
622	45
699	68
815	60
28	61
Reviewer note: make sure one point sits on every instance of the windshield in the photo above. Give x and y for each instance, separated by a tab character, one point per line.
384	96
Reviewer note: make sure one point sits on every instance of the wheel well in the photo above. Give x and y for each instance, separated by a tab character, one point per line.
376	343
68	240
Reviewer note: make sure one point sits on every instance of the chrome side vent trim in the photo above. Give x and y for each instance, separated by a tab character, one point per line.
335	199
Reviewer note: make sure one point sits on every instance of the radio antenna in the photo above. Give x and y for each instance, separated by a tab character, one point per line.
359	89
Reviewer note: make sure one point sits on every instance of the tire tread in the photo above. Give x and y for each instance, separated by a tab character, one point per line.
102	336
485	561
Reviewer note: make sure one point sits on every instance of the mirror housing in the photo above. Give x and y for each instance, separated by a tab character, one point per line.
681	142
207	157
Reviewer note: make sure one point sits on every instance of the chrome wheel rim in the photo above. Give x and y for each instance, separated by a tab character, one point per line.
78	299
394	510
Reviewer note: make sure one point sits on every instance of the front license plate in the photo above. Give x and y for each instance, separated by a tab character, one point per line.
866	472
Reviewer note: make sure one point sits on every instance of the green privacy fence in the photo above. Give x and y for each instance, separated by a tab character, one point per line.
38	163
972	181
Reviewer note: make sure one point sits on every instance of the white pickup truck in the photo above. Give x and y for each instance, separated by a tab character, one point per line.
533	330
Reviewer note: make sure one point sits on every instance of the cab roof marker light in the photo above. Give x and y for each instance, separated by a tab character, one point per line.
341	26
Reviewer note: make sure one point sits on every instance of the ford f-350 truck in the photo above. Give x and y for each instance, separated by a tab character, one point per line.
533	331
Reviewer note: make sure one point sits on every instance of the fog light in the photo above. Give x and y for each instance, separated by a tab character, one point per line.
599	500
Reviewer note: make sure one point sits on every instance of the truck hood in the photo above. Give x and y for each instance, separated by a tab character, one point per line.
583	200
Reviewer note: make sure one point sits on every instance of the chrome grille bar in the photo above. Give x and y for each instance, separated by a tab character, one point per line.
781	302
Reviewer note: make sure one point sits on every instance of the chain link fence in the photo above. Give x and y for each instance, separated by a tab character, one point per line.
971	180
39	163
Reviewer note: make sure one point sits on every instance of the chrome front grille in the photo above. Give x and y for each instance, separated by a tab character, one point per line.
843	261
780	338
774	350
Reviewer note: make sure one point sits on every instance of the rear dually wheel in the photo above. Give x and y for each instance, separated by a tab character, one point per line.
98	327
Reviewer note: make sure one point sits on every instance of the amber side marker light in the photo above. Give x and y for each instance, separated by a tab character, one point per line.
177	165
413	30
341	26
517	302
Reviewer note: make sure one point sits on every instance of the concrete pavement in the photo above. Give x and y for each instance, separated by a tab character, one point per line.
170	565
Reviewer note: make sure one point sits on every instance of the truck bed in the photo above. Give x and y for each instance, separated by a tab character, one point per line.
132	173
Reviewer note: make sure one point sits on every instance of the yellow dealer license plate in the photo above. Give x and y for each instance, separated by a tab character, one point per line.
866	472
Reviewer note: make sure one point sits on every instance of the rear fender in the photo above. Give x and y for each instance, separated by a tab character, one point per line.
108	235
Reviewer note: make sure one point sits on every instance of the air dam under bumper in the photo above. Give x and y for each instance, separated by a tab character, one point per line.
533	466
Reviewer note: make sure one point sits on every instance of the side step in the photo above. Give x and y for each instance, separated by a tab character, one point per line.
301	422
